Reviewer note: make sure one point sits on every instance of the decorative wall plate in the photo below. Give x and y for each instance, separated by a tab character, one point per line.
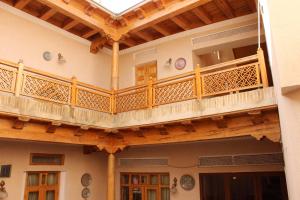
86	180
187	182
85	193
47	56
180	63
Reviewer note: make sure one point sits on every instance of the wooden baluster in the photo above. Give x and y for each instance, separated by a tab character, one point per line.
198	81
74	91
150	93
263	69
19	80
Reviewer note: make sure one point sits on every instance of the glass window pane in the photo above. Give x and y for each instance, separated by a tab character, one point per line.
135	179
137	194
151	194
33	196
125	193
125	179
52	179
50	195
143	179
242	188
165	180
165	194
213	187
33	179
153	180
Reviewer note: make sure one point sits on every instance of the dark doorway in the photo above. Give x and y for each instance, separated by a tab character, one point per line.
243	186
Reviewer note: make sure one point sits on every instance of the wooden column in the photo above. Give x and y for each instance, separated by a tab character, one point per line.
198	81
111	177
74	91
150	93
115	66
263	69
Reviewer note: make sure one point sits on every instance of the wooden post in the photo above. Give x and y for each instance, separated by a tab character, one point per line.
113	102
74	91
263	69
198	81
19	80
115	67
111	177
150	93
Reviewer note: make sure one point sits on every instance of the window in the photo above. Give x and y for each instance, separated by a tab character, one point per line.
42	186
46	159
5	171
243	186
144	72
145	186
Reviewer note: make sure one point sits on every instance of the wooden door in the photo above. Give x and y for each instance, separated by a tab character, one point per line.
144	72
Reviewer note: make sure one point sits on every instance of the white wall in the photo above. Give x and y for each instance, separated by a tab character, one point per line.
76	164
25	37
281	22
183	156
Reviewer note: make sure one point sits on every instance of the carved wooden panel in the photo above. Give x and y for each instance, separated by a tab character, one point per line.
132	101
143	73
46	88
7	78
239	78
93	100
174	92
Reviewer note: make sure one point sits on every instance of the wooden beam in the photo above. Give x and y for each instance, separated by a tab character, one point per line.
90	33
224	6
129	42
144	36
188	126
220	121
170	11
22	3
162	130
160	4
52	127
180	22
75	10
252	5
89	9
70	25
19	123
202	15
161	30
80	131
140	13
47	15
97	44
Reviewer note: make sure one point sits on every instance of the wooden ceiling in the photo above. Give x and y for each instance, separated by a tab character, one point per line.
153	20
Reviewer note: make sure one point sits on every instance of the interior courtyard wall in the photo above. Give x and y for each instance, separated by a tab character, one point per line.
182	156
76	164
25	37
281	21
177	46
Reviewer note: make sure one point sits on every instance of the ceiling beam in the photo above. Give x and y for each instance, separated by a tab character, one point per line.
22	3
224	6
129	42
170	11
47	15
252	5
180	22
144	36
76	11
97	44
202	15
70	25
89	34
160	4
161	30
140	13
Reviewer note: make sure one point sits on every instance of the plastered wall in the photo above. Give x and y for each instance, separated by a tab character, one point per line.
182	156
25	37
76	164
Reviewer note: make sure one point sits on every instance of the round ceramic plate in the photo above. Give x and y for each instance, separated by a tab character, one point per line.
187	182
86	179
180	63
86	193
47	56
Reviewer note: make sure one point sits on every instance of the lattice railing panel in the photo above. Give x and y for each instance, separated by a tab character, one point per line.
7	78
46	88
235	79
174	92
92	100
132	101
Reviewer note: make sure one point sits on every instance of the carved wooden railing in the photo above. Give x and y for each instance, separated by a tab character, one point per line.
233	76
